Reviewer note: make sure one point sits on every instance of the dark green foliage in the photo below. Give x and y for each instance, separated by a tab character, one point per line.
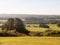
19	26
48	32
43	26
9	24
15	24
28	26
52	33
39	34
58	23
6	34
35	26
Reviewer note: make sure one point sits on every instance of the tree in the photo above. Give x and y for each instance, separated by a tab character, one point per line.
9	24
19	26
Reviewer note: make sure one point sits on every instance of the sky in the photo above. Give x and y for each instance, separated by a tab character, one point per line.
51	7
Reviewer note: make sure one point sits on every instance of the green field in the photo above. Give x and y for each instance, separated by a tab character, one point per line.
31	40
39	29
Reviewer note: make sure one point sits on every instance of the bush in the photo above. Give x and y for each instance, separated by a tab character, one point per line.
28	26
58	23
43	26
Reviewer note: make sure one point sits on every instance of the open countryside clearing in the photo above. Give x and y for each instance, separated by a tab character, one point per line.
32	40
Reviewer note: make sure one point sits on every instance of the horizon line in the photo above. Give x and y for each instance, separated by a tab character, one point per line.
35	14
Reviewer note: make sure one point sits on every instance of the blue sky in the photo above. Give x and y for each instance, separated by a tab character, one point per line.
30	7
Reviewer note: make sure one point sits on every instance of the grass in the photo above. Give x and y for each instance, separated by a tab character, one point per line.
32	40
39	29
29	41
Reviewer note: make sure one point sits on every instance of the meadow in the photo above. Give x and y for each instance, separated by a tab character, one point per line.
31	40
40	29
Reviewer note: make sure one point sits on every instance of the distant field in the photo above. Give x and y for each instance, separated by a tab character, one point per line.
32	40
39	29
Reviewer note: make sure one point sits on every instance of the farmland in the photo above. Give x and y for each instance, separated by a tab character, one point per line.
31	40
39	29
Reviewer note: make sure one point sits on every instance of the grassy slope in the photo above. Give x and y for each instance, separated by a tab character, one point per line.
29	41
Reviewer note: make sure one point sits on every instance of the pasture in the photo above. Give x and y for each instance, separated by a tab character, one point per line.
39	29
31	40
